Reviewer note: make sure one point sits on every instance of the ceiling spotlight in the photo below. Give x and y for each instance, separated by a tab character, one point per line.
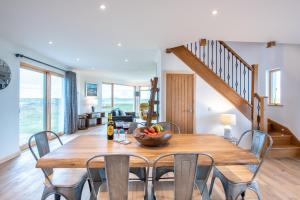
50	42
126	60
214	12
119	44
103	7
77	59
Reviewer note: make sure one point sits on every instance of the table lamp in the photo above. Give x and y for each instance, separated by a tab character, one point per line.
228	120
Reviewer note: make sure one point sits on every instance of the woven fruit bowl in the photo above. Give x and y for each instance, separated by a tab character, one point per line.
151	139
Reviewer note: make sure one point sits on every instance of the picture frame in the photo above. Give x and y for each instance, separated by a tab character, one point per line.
91	89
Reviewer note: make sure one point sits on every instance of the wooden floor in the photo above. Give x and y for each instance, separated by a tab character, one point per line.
279	179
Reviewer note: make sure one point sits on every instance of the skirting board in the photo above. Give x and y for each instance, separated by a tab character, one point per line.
9	157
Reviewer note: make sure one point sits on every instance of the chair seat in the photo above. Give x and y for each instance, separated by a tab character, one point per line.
236	173
165	190
135	191
66	177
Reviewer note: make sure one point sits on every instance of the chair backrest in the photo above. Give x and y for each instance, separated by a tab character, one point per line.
185	169
261	144
43	148
117	173
170	126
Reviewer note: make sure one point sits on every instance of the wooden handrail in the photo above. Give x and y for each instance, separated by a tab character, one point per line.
236	55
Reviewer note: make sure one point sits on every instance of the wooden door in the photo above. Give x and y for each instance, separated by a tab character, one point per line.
180	101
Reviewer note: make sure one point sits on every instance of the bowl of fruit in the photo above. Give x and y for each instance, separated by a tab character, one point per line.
152	136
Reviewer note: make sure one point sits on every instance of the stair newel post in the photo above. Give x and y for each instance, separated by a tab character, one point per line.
253	90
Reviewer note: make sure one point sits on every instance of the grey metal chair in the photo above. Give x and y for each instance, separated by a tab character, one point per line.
117	185
184	185
59	182
238	178
170	126
175	129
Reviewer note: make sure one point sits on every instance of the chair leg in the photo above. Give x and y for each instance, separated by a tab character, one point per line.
255	187
212	183
57	196
243	195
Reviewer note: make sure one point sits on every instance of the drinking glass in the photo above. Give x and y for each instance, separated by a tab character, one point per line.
126	127
119	126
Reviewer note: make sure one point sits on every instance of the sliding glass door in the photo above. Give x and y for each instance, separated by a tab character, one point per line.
57	103
32	103
41	102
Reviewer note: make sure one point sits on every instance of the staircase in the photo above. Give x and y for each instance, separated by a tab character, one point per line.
222	68
285	144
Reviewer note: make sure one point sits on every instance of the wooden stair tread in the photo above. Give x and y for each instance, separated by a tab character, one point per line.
277	133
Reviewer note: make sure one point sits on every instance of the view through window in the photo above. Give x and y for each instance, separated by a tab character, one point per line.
275	87
118	96
33	103
57	104
144	94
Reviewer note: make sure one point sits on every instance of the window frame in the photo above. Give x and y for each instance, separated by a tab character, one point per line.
113	96
271	101
47	92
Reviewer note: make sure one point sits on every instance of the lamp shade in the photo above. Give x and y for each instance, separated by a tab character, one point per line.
228	119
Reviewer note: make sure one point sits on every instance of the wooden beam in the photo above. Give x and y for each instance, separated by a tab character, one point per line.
271	44
214	80
203	42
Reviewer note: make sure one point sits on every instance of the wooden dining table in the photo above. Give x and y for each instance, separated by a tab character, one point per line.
75	153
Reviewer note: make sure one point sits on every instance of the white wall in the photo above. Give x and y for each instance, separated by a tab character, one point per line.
9	97
209	103
9	104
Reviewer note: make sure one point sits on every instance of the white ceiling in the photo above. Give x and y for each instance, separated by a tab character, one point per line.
79	29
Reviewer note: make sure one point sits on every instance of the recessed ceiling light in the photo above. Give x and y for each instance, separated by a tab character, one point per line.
77	59
50	42
119	44
103	7
126	60
214	12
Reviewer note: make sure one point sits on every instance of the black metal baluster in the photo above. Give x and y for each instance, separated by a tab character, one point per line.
228	70
236	75
240	78
248	85
232	71
208	53
258	115
216	57
191	47
244	91
196	49
220	70
204	54
224	64
212	55
199	51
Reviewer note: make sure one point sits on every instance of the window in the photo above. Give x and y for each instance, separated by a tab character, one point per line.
118	96
275	87
144	94
32	103
124	97
107	103
57	103
41	102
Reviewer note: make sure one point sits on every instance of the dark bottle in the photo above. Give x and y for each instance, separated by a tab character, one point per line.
110	127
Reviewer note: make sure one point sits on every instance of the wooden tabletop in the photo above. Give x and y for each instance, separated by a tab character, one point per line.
75	153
